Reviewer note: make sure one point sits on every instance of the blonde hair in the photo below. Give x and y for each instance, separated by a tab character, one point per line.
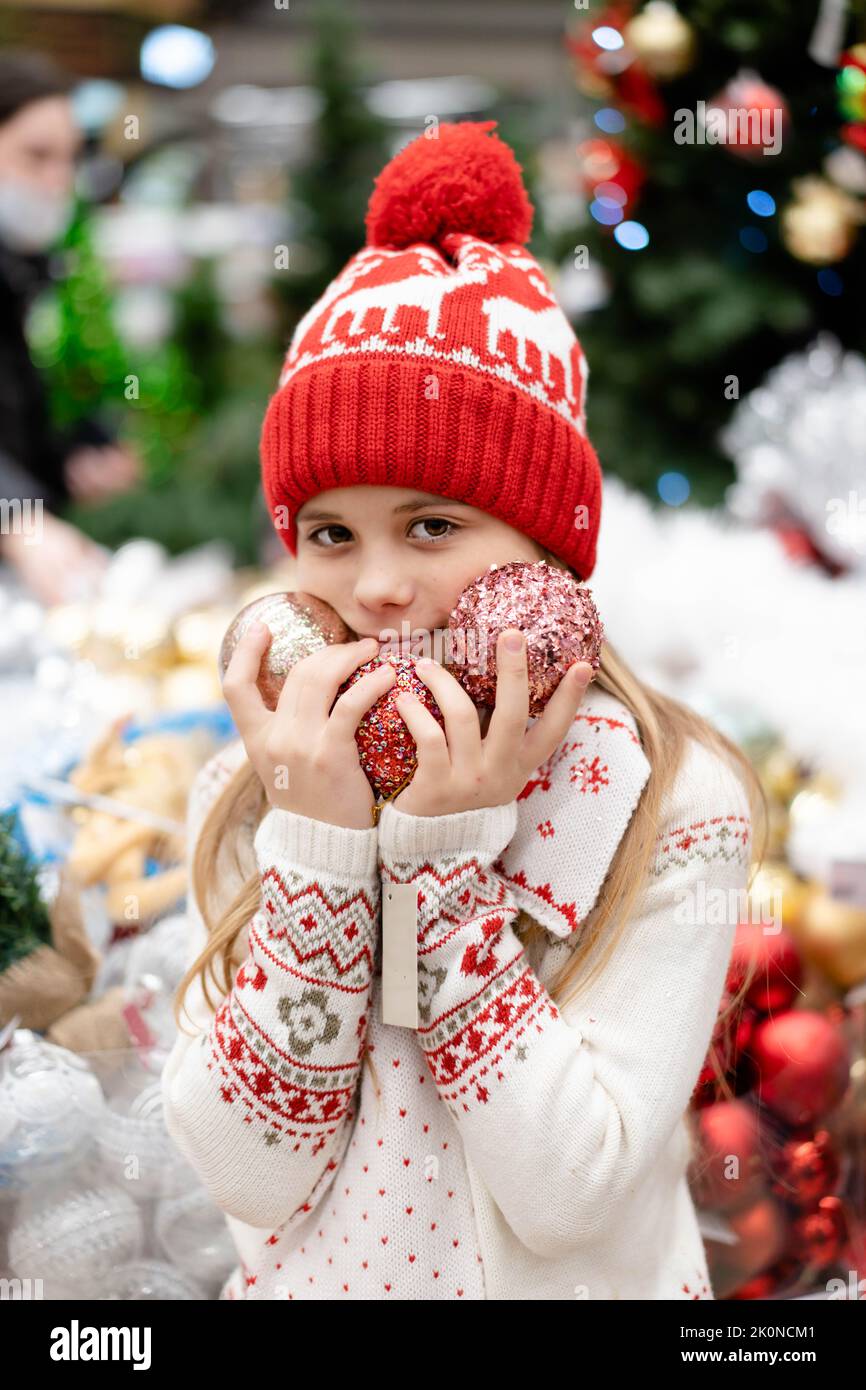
664	726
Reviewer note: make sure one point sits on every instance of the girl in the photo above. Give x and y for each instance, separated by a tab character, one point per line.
578	880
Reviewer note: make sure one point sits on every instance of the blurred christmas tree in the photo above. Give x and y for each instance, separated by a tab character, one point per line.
72	334
24	922
726	177
348	148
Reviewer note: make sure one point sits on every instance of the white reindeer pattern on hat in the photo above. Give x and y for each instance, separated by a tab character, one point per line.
426	291
352	310
548	329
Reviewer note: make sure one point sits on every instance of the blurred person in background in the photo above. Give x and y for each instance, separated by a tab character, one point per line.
39	146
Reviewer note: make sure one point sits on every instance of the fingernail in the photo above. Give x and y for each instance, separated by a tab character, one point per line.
257	628
582	673
513	641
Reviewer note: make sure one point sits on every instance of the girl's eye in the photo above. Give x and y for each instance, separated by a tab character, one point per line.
435	521
314	536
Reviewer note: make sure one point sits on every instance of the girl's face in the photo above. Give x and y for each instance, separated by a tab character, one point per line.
393	561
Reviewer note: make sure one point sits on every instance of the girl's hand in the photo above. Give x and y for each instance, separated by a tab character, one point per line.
464	772
304	753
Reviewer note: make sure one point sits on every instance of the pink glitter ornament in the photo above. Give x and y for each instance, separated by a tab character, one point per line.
557	616
300	624
387	749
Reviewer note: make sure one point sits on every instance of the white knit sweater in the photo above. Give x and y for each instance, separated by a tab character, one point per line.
513	1150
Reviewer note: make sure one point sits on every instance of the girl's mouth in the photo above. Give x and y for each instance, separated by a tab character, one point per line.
421	643
416	645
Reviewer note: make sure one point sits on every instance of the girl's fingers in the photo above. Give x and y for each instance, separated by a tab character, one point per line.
434	754
352	705
462	732
242	695
511	710
549	731
311	686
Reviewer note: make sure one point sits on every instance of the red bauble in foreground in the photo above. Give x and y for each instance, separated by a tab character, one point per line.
803	1065
387	749
728	1168
774	963
556	615
761	1234
300	624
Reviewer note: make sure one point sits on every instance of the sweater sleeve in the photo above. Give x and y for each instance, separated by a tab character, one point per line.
565	1112
260	1099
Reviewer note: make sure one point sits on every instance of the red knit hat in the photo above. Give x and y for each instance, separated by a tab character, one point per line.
439	359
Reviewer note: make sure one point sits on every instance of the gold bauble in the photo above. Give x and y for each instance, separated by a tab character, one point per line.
192	685
819	226
777	893
832	933
780	773
662	39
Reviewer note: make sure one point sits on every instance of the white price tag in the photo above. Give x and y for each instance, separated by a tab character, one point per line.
848	881
400	954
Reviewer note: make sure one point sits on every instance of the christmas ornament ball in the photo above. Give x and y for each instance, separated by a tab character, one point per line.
150	1281
803	1064
729	1129
806	1168
762	1234
663	40
832	934
556	615
70	1234
819	1235
771	963
386	747
50	1104
300	624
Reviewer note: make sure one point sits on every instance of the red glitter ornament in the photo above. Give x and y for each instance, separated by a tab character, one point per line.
556	615
387	749
300	624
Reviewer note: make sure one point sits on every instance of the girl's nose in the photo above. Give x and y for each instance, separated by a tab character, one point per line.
383	593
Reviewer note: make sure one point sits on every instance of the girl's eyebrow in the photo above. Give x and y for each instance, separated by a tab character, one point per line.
413	505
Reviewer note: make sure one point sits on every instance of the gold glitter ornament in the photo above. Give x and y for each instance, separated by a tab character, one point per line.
300	624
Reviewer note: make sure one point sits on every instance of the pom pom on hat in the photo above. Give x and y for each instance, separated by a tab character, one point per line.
467	180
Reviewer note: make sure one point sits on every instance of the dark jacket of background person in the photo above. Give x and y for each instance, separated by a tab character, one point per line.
31	450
